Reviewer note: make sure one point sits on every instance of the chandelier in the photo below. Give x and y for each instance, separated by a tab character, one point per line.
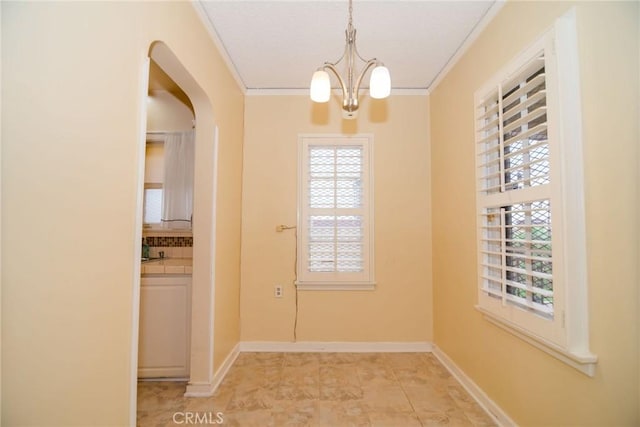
379	83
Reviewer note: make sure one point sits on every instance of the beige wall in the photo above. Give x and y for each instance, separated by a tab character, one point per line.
165	113
70	155
533	388
400	307
154	163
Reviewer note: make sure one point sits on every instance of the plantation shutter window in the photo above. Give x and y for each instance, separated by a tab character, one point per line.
514	177
334	212
530	207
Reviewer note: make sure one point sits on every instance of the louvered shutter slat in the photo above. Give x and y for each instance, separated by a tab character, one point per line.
535	99
526	117
539	129
524	88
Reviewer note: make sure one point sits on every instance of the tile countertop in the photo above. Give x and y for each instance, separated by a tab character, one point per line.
167	266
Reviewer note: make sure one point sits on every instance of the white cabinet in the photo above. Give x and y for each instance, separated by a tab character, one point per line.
165	320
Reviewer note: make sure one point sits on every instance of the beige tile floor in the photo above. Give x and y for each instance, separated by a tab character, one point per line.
320	389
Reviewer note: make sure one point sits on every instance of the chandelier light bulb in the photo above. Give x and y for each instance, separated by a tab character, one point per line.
320	89
380	82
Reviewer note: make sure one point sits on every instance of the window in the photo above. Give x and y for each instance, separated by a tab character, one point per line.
515	192
531	255
335	223
153	180
152	212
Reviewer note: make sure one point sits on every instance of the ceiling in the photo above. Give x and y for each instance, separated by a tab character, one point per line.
276	45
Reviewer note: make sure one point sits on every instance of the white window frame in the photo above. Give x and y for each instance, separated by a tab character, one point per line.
307	280
566	335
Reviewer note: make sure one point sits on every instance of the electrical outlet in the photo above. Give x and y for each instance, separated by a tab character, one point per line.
277	291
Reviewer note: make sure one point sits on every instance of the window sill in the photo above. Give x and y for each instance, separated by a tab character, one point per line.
584	362
324	286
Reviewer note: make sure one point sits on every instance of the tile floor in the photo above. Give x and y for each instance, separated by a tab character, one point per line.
320	389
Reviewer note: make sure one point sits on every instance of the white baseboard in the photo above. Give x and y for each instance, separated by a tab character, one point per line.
337	347
199	390
499	416
207	389
161	379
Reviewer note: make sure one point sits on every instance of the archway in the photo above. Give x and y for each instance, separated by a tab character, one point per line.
203	227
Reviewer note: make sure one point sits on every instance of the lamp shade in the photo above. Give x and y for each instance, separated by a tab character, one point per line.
320	89
380	83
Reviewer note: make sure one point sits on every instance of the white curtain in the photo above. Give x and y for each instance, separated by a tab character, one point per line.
177	206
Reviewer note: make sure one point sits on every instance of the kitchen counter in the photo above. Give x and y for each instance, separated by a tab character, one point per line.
167	266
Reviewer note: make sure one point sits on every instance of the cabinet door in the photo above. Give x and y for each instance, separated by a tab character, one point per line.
165	317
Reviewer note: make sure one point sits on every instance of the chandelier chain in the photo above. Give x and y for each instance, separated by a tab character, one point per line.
350	14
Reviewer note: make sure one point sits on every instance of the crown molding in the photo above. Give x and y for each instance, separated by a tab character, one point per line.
305	92
471	38
202	14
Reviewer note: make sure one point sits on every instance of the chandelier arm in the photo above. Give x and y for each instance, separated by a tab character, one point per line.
356	88
355	47
332	68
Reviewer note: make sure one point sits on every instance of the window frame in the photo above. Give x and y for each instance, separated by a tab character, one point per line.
566	335
306	280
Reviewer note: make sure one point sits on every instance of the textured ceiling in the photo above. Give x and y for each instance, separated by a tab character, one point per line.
278	44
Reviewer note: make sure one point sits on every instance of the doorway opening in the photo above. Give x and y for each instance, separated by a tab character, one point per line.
167	238
192	236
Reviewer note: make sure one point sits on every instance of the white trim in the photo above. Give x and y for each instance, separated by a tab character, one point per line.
201	389
155	380
207	389
305	92
202	14
336	347
143	82
573	227
471	38
212	249
490	407
0	245
583	362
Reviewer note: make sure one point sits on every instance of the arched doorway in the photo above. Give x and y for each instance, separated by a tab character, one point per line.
204	208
